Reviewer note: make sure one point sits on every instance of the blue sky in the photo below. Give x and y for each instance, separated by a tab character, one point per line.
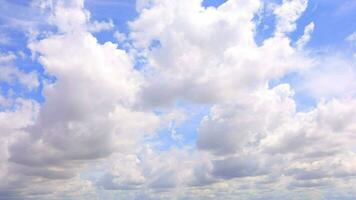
212	94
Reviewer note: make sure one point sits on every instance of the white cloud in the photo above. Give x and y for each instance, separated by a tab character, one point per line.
308	30
97	26
120	37
332	76
88	114
221	63
88	139
232	127
12	75
288	13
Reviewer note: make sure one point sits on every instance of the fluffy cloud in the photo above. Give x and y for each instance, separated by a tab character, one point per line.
231	127
202	56
89	112
288	13
88	140
305	149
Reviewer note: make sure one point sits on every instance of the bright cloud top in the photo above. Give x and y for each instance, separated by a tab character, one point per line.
185	102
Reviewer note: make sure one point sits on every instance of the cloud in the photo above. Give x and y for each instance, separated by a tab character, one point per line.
120	37
100	26
233	167
351	38
288	13
308	30
11	75
333	76
222	63
89	111
90	138
232	126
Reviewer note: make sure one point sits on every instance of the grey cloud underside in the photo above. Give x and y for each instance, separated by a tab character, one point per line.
88	139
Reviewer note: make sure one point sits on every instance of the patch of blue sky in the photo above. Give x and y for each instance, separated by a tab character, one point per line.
25	64
155	44
303	99
13	93
16	40
20	16
15	90
182	135
265	25
20	2
15	28
105	36
119	12
140	56
213	3
12	90
334	21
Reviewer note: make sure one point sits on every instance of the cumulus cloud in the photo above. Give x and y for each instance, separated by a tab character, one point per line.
89	138
89	111
203	57
232	126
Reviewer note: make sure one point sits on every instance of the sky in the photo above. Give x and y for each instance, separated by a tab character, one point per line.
183	100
